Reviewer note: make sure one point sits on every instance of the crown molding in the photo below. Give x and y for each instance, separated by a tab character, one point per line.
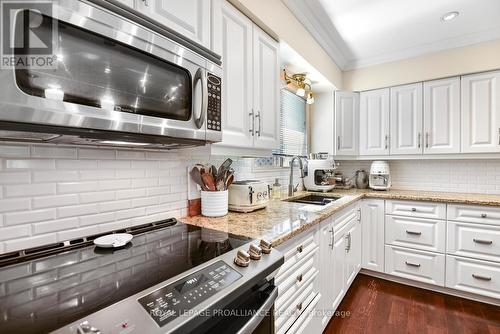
314	18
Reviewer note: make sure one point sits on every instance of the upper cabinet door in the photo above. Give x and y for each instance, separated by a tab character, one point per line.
266	90
374	122
235	38
442	116
481	113
191	18
346	122
406	119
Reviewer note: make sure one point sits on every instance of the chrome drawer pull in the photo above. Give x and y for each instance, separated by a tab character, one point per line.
484	242
484	215
413	232
300	249
299	306
299	278
414	209
483	278
412	264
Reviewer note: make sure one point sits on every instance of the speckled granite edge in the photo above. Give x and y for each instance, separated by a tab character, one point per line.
283	220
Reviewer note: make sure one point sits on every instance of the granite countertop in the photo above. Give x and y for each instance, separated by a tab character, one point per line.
283	220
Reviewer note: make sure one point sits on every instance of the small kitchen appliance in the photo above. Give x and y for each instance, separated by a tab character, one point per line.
380	177
248	195
319	175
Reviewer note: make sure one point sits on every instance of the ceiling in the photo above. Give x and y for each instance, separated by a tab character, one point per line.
358	33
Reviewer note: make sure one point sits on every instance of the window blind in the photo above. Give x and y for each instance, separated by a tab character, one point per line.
293	130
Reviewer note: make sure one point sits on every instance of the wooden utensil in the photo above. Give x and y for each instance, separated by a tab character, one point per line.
224	166
196	176
229	181
208	180
214	172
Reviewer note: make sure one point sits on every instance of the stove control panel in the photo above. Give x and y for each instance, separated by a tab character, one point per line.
177	298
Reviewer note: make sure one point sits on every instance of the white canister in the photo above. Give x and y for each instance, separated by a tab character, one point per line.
214	203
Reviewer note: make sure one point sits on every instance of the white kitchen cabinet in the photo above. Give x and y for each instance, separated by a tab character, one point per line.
346	122
442	116
129	3
191	18
251	93
322	123
374	122
481	112
266	90
327	272
406	119
353	251
237	93
372	224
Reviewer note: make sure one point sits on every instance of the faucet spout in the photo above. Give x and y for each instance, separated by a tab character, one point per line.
291	188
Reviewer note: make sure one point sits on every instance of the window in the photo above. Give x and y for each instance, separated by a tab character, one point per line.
293	129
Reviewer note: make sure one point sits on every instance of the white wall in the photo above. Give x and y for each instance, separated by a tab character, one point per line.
469	59
467	176
51	193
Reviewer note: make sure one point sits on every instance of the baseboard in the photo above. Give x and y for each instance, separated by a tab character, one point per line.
426	286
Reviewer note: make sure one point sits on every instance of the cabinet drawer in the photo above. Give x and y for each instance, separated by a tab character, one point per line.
285	317
416	209
474	214
425	234
416	265
295	252
347	215
296	278
474	240
481	277
301	325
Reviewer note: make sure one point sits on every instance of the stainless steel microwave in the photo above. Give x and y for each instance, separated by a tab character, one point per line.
115	82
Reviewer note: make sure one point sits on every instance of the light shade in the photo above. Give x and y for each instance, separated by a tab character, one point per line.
301	92
310	98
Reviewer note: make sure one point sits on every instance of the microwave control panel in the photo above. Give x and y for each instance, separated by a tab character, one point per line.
178	298
214	121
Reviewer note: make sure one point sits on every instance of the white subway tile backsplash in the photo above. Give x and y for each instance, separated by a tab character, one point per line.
77	187
104	153
77	210
114	184
16	218
114	206
30	164
114	164
97	219
51	201
7	205
97	197
14	178
26	190
14	232
14	151
53	152
76	164
130	193
55	175
55	225
22	243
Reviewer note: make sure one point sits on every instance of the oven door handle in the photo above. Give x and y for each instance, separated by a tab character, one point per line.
200	76
257	318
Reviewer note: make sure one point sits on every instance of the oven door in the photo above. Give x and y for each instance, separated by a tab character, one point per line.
110	74
251	313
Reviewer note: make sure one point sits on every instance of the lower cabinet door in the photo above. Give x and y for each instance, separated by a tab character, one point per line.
353	252
420	266
339	255
475	276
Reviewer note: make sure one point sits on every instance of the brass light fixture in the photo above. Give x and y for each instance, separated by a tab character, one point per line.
300	81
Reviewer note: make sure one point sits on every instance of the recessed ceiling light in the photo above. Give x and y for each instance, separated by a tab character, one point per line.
449	16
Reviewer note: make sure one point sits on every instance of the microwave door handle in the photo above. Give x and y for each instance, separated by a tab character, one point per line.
250	326
200	76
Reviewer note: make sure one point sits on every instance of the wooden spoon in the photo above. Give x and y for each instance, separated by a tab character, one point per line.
208	180
229	181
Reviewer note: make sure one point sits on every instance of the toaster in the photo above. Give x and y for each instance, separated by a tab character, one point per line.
248	195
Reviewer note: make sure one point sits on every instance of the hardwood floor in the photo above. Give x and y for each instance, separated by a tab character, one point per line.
382	307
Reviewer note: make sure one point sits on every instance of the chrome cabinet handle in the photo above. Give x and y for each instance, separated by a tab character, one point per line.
413	209
252	115
483	242
299	278
348	239
413	232
146	3
300	249
483	278
338	142
386	142
484	215
427	140
299	306
498	136
419	139
412	264
258	132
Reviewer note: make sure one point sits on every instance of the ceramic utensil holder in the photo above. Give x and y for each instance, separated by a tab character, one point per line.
214	203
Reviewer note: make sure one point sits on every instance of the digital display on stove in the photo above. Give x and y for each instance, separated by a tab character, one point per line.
191	283
177	298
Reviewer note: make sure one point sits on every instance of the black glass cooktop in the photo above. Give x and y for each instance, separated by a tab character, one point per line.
43	294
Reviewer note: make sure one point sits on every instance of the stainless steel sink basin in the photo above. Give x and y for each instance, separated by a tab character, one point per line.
315	199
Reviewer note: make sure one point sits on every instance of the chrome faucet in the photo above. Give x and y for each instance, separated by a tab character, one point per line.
291	188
